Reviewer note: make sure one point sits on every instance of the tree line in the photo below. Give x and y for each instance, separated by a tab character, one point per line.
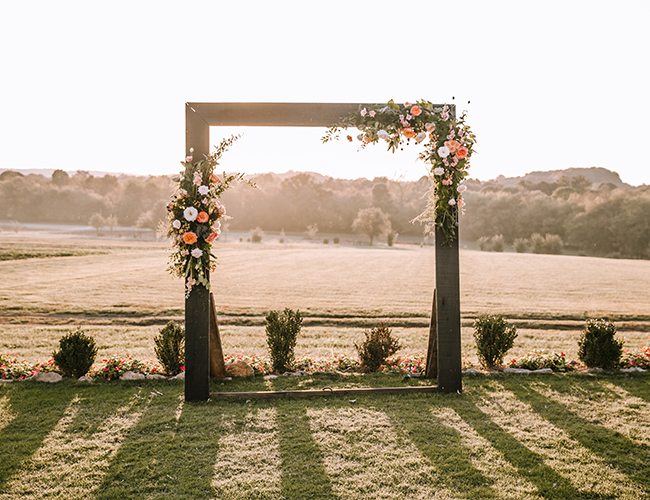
570	214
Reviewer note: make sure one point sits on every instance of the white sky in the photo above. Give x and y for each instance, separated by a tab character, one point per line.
101	85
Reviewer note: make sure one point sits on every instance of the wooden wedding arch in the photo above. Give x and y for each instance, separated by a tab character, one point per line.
444	353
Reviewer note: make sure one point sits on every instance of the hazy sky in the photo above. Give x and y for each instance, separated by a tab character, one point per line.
101	85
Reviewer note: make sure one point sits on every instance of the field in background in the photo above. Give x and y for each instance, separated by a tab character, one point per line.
119	292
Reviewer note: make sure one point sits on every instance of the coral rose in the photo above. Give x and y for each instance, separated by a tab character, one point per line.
415	111
190	238
452	145
212	237
461	152
408	132
202	217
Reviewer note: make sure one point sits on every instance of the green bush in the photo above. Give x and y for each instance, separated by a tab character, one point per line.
597	347
170	348
282	330
521	245
256	235
497	243
378	346
494	338
76	354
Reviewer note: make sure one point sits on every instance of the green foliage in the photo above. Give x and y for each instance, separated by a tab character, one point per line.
377	347
256	235
76	354
597	347
521	245
497	243
282	330
494	338
371	222
170	348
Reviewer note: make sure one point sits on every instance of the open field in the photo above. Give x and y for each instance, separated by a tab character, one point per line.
118	291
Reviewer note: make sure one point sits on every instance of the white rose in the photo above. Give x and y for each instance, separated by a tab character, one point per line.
382	134
190	213
420	137
452	202
197	252
439	171
204	190
176	224
443	151
462	188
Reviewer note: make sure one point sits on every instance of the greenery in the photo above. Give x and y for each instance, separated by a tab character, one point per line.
170	348
597	347
257	234
282	330
377	347
556	361
76	354
494	338
116	366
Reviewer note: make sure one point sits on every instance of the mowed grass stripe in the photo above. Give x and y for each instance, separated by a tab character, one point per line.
587	472
248	461
365	457
73	459
6	415
615	409
506	482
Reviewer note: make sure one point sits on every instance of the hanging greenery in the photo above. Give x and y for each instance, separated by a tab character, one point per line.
448	146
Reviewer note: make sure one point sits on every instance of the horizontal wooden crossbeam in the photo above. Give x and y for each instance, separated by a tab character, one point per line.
326	391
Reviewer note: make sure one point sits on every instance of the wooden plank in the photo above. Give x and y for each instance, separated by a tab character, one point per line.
448	314
197	134
217	366
432	350
327	391
274	114
197	344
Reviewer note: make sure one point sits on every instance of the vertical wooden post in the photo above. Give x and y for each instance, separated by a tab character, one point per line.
197	305
448	314
217	365
432	350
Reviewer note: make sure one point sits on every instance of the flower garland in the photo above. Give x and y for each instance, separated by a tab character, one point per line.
194	217
448	147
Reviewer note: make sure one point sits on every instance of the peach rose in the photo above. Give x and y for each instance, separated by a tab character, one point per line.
452	145
461	152
203	217
415	111
212	237
214	178
189	238
408	132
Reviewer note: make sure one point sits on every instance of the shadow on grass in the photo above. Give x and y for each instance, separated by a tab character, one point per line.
303	472
30	425
622	453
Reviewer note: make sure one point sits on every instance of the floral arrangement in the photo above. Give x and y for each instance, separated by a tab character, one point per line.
116	366
194	217
539	360
639	358
448	146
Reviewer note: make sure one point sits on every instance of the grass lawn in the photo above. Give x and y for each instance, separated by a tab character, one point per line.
506	437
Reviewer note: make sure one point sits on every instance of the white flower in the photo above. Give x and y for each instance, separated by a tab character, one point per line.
176	224
452	202
420	137
188	159
197	252
360	137
204	190
439	171
462	188
382	134
363	112
443	151
190	213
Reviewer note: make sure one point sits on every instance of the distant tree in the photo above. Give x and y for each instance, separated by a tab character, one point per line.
60	178
111	222
147	220
312	229
97	221
371	222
